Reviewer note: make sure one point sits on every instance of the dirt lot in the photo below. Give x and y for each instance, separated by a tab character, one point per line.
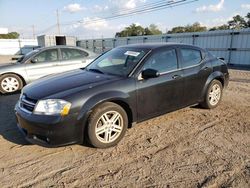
7	58
191	147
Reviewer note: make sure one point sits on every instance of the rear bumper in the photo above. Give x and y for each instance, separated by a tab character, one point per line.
49	131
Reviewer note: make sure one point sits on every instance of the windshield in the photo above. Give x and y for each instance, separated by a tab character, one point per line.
27	56
119	61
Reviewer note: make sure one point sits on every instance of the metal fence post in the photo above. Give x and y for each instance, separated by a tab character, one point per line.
114	43
102	45
93	44
194	37
231	46
87	44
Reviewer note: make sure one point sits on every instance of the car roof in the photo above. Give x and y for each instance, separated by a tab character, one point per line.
66	46
60	46
151	46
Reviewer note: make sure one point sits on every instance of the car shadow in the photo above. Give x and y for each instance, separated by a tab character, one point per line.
8	127
196	106
239	67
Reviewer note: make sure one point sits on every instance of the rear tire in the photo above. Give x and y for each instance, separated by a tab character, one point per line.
213	95
107	125
10	83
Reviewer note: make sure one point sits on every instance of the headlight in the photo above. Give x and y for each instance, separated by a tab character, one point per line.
52	107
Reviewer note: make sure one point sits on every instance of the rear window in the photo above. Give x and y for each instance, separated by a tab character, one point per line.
190	57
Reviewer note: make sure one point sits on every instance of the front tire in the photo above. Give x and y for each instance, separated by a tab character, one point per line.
107	125
213	95
10	83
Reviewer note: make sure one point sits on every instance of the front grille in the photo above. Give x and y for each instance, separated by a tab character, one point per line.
27	104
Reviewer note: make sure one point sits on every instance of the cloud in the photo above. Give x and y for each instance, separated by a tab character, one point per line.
245	6
89	28
95	23
126	4
72	8
211	8
98	8
161	26
219	21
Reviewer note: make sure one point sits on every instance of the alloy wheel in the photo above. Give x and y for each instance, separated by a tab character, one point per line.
214	94
109	126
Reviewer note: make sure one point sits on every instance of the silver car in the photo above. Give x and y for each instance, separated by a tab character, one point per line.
42	62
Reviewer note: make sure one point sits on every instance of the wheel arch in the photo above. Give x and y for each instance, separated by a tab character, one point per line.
118	98
127	109
19	75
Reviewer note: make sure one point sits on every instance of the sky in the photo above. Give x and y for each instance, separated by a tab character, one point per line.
75	15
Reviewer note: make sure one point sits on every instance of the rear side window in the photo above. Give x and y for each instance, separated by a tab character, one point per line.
68	54
190	57
162	61
47	56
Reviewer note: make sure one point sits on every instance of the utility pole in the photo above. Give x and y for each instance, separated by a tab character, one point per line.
33	30
58	24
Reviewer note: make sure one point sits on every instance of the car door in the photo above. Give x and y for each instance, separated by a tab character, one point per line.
42	64
164	93
72	59
195	71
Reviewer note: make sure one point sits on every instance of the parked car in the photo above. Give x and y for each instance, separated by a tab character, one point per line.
125	85
42	62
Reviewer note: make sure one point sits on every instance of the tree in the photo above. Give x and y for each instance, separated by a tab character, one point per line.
248	19
12	35
147	31
132	30
196	27
238	22
179	29
137	30
154	29
221	27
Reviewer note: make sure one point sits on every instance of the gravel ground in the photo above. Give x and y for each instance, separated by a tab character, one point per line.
191	147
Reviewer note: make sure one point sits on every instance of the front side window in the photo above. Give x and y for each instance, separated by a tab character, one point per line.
190	57
162	61
119	61
68	54
47	56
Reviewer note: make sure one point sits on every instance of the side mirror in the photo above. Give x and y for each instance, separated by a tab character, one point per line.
150	73
221	58
34	60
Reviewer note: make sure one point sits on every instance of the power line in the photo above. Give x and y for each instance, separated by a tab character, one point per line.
162	2
146	10
150	7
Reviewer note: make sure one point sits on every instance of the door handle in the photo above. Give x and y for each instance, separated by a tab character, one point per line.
175	77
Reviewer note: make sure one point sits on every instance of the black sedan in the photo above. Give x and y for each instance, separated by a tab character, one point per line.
125	85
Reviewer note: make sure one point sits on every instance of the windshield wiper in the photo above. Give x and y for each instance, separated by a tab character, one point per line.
96	70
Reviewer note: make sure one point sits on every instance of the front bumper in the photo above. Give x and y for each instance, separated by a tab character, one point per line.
49	131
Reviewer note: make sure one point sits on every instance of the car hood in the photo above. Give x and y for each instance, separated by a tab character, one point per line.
55	84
